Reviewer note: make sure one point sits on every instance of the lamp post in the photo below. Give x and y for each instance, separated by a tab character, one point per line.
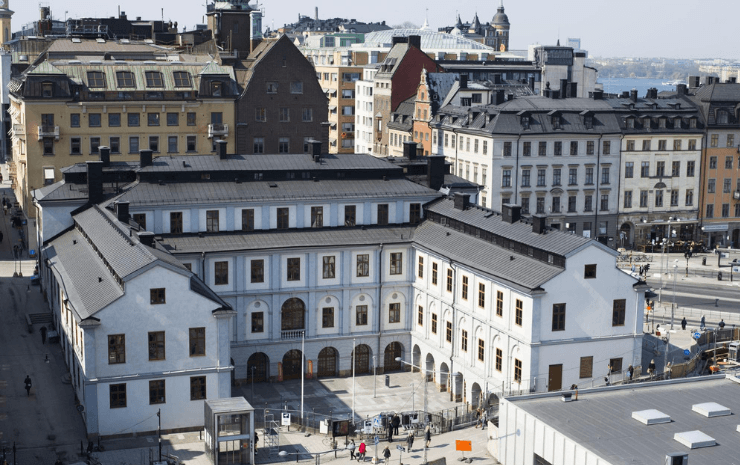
375	378
253	368
353	383
673	305
424	422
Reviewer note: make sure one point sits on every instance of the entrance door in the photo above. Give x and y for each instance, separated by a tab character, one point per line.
292	364
555	378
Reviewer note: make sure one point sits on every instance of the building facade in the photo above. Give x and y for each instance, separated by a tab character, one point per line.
364	116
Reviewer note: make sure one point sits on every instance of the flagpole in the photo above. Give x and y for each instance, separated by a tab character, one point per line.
303	368
353	381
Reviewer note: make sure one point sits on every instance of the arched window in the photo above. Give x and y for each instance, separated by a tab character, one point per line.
293	315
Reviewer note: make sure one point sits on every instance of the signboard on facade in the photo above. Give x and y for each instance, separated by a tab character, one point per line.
557	56
715	227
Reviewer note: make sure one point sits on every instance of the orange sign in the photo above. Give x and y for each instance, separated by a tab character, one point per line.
464	446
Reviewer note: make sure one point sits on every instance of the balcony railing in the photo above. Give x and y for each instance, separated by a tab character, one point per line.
218	130
48	131
292	334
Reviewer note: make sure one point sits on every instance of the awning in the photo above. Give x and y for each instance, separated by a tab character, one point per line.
715	227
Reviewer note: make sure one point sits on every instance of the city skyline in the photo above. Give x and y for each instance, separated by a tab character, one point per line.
603	33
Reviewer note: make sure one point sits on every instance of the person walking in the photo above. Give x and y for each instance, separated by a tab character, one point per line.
390	432
721	324
361	451
651	369
351	448
427	436
702	323
410	441
27	382
631	371
256	439
683	324
396	422
387	454
43	334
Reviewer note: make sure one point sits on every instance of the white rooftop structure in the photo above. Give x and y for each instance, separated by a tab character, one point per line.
695	439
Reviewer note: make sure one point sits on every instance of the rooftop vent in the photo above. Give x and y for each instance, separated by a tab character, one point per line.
711	409
677	458
651	417
695	439
568	397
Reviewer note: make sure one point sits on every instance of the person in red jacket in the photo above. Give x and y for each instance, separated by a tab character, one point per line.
361	452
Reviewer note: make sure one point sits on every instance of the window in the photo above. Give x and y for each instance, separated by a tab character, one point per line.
541	175
294	269
588	201
590	147
725	210
394	313
730	140
172	144
604	175
589	175
317	217
481	350
690	197
711	186
448	332
114	120
133	119
615	364
660	169
587	366
212	221
574	147
728	162
540	205
558	148
182	78
74	120
118	395
434	323
604	202
726	185
157	296
221	273
464	340
714	140
115	144
517	370
661	145
284	114
692	144
618	312
307	115
607	146
328	269
421	267
526	149
152	119
434	273
125	79
197	387
712	163
396	263
690	166
284	145
499	359
197	342
556	204
348	110
646	146
449	280
94	120
75	144
133	144
94	145
383	213
628	199
519	312
481	295
259	145
116	349
676	169
327	317
558	317
645	169
350	215
173	119
363	265
156	345
420	316
257	268
507	148
296	87
710	211
283	218
506	178
415	213
572	176
526	178
260	114
361	315
176	222
541	149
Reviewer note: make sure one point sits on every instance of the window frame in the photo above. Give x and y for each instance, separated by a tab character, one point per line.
157	346
394	312
116	349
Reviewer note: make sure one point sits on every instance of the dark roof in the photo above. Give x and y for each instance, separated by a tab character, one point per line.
208	192
392	61
61	191
438	86
293	238
404	116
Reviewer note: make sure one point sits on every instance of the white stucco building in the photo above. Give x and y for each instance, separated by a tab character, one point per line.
364	116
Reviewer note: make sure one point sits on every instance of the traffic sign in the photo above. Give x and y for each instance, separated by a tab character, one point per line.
687	352
376	422
286	419
401	448
464	446
697	335
377	441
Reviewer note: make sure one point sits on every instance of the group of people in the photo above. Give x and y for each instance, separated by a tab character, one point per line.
362	449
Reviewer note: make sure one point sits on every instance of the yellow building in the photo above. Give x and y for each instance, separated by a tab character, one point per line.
338	83
63	110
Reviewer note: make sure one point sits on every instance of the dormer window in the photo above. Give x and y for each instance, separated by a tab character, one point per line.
677	123
588	121
95	79
525	121
154	79
662	123
556	121
723	117
646	122
216	88
692	123
630	123
125	79
47	89
182	78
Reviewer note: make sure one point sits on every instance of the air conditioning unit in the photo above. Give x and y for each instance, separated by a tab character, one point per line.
677	458
736	195
567	397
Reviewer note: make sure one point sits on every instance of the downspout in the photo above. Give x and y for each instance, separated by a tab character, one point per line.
454	320
598	181
516	169
380	304
203	265
700	194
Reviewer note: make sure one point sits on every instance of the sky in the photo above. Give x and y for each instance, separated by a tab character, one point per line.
607	28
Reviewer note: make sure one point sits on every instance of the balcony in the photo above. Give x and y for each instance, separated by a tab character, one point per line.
221	130
48	131
291	335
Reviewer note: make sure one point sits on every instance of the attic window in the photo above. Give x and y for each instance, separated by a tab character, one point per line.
525	121
662	123
47	89
588	121
723	117
556	121
95	79
692	123
216	88
125	79
677	123
630	123
154	79
182	78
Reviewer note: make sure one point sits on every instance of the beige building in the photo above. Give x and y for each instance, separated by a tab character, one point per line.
63	110
338	83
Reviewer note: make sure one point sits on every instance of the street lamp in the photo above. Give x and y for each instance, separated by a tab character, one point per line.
673	305
424	423
253	368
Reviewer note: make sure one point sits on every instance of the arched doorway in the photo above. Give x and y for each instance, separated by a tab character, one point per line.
362	362
258	366
416	359
292	364
392	351
444	375
625	235
293	315
429	367
328	358
475	396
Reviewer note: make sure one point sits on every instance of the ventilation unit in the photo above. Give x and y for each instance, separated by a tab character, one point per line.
677	458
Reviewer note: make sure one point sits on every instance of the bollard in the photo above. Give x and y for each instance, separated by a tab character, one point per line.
387	381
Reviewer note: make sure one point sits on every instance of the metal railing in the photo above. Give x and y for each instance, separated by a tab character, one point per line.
48	131
218	130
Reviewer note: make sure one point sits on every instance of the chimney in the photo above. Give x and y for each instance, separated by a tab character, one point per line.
316	14
633	95
398	40
415	41
625	94
539	224
104	155
500	96
732	80
497	78
122	212
530	81
462	201
94	181
710	80
572	89
598	94
681	89
463	81
315	150
509	97
146	238
554	94
563	87
221	149
145	158
436	172
694	82
511	213
409	150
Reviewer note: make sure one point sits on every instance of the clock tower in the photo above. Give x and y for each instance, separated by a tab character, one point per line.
5	14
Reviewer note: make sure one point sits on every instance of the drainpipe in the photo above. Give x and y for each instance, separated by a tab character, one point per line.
380	303
598	194
454	326
203	266
516	170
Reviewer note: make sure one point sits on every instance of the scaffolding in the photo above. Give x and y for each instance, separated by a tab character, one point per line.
271	434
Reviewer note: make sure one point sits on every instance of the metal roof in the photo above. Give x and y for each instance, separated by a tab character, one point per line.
430	40
601	421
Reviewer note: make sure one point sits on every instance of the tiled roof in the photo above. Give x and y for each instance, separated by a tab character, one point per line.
292	238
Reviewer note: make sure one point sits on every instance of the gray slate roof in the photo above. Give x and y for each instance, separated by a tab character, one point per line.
602	421
556	242
522	272
404	115
295	238
142	194
61	191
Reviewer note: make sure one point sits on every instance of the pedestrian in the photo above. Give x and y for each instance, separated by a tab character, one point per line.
361	451
477	418
722	324
5	209
633	266
683	324
43	334
27	382
668	370
702	324
410	441
651	368
396	422
256	439
631	371
387	454
427	436
351	448
390	432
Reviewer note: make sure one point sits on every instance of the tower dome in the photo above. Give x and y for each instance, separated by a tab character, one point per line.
500	18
